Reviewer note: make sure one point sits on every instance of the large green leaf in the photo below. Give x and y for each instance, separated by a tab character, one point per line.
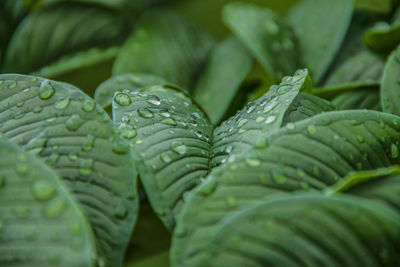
131	81
165	45
319	31
41	223
308	155
330	92
308	230
219	82
39	42
176	145
266	35
390	87
76	137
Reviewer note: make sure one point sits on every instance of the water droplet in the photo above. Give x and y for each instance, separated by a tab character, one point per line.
145	113
85	167
253	162
22	169
120	146
74	123
12	84
36	145
62	103
72	157
231	201
153	99
311	129
52	159
120	212
89	143
241	123
261	143
360	139
208	187
279	177
290	126
123	99
88	105
127	131
229	149
271	27
283	89
20	104
37	109
250	107
260	119
43	190
394	151
271	105
21	212
165	157
169	121
46	90
270	119
54	207
179	148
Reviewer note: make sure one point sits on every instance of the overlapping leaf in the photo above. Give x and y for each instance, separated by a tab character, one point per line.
390	87
41	223
176	145
308	155
71	133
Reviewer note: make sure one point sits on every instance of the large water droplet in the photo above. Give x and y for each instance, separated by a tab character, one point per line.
153	99
127	131
279	177
74	123
62	103
208	187
229	149
178	147
88	105
89	143
165	157
242	122
268	107
271	27
120	212
270	119
22	169
253	161
120	146
123	99
46	90
86	167
311	129
54	207
145	113
169	121
231	201
43	190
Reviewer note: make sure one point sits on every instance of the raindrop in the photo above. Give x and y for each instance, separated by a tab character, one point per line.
46	90
120	212
127	131
229	149
260	119
253	162
43	190
74	123
54	208
270	119
311	129
241	123
153	99
145	113
165	157
231	201
89	143
178	147
268	107
290	126
122	99
62	103
120	146
169	121
88	105
85	167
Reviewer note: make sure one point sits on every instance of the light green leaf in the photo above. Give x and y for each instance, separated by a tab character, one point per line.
310	17
165	45
390	87
359	99
40	222
176	146
105	92
383	37
76	137
266	35
308	155
217	85
39	42
309	230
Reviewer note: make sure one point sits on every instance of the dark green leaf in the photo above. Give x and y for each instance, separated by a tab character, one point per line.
71	133
379	6
266	35
308	230
359	99
40	222
362	67
225	70
39	42
165	45
390	87
383	38
105	92
308	155
320	32
333	91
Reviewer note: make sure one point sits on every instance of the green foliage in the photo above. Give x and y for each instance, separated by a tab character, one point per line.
233	167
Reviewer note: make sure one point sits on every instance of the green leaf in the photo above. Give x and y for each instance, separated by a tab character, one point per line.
383	38
217	85
320	34
165	45
308	230
379	6
39	42
362	67
308	155
359	99
390	87
131	81
76	137
266	35
330	92
175	145
40	222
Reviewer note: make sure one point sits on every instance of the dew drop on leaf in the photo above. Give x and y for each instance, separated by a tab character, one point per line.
179	148
123	99
74	123
154	100
62	103
145	113
46	90
42	190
